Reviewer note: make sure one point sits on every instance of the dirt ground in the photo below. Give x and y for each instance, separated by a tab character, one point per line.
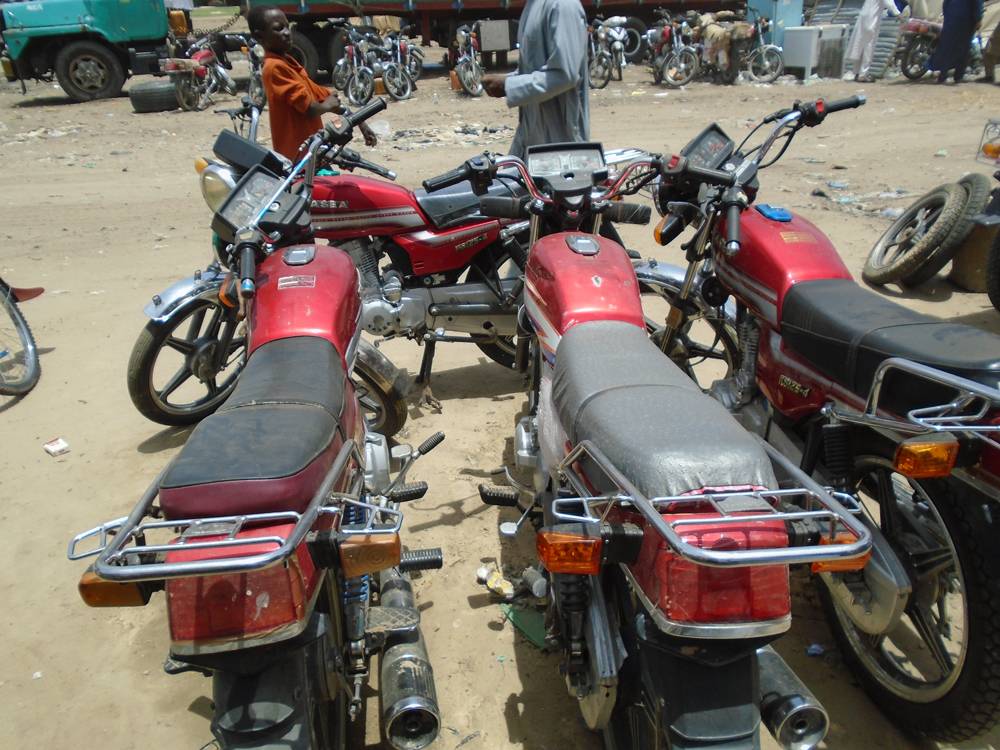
101	206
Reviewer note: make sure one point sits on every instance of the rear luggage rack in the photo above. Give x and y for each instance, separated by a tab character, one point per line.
972	402
123	553
818	504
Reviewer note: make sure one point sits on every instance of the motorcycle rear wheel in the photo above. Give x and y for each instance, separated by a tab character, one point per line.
935	673
191	95
765	64
915	57
19	365
360	87
600	70
397	82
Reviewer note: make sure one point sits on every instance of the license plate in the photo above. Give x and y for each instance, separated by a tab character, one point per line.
8	67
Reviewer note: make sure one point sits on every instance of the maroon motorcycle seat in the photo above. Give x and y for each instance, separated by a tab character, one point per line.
270	444
847	331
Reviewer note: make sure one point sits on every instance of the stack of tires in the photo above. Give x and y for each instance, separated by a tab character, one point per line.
924	239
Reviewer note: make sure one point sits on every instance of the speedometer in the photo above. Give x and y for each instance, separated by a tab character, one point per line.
710	149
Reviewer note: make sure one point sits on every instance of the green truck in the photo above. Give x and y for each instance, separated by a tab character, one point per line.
91	46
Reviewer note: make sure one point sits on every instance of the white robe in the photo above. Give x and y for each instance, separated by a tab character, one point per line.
862	44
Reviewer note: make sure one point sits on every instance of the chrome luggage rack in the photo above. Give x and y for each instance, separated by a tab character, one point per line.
123	553
971	404
817	503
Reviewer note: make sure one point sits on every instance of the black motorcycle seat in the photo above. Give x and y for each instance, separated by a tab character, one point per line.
457	204
614	387
847	331
268	446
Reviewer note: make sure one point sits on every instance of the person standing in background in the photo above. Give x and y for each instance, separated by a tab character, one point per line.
961	21
551	86
991	57
861	47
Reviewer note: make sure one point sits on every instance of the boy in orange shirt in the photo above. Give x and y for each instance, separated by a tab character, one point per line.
296	103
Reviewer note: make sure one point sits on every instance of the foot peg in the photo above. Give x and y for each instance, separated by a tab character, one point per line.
493	494
421	559
407	492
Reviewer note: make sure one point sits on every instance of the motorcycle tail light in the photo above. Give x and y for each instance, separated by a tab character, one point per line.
575	554
368	554
927	456
990	458
694	594
98	592
233	608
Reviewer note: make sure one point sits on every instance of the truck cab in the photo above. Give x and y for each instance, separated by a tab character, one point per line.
91	46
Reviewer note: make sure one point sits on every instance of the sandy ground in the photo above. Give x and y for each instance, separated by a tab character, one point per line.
101	206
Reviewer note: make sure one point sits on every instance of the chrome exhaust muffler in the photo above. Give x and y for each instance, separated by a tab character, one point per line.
790	712
410	715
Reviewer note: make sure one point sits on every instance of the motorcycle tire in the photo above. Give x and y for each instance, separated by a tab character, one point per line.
914	62
636	46
191	94
916	235
502	349
341	75
381	389
470	77
361	87
993	273
88	70
765	64
965	702
679	68
977	186
154	338
397	82
600	71
16	343
153	96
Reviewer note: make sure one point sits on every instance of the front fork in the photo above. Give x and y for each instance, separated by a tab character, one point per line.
677	316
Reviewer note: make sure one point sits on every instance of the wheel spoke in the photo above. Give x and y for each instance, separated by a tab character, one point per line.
179	378
180	345
923	621
932	562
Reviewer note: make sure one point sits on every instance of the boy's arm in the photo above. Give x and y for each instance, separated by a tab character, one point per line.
283	85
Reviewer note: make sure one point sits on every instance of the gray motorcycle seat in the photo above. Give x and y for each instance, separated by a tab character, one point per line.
614	387
458	204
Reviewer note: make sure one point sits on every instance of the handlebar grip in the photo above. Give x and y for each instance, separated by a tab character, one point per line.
447	179
733	212
500	207
851	102
713	176
627	213
369	110
248	263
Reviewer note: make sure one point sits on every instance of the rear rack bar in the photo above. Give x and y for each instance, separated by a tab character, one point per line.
818	504
971	404
118	560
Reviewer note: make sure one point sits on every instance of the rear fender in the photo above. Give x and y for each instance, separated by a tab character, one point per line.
202	285
23	294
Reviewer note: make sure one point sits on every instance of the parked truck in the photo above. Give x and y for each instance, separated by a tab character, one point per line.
91	46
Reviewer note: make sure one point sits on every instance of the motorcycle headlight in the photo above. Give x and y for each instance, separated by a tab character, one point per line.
363	45
602	33
217	182
258	52
461	36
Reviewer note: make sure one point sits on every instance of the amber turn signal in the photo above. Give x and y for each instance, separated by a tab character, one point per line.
569	553
199	164
658	230
927	456
369	553
98	592
841	566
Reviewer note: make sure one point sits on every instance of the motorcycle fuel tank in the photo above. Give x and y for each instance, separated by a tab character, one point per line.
348	206
573	278
306	290
774	255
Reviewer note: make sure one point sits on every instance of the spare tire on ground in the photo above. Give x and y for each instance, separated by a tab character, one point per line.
158	95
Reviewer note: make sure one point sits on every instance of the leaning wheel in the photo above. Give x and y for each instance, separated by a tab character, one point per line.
765	64
360	87
680	68
913	237
470	77
397	82
635	39
89	70
158	95
916	57
177	374
19	366
933	671
600	70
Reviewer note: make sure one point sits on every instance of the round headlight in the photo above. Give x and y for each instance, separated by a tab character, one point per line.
602	33
462	36
217	182
258	51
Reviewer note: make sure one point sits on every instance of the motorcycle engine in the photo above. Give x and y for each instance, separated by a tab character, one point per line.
387	309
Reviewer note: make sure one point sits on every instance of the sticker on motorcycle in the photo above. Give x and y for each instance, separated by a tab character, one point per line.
792	238
797	388
294	282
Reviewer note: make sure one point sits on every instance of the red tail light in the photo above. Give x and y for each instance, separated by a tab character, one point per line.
991	450
234	608
201	71
695	594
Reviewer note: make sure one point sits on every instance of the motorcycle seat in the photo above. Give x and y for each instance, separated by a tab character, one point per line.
847	331
614	387
457	204
270	444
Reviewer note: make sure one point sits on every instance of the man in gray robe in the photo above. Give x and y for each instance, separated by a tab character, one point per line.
551	85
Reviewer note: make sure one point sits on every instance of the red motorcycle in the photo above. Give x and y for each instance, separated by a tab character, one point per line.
917	42
871	398
276	528
662	525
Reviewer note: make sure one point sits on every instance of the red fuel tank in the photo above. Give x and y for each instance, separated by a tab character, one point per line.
349	206
774	256
306	290
572	278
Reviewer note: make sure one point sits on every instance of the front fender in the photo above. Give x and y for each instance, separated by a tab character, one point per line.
202	285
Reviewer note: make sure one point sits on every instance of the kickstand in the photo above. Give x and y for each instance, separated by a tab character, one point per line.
424	377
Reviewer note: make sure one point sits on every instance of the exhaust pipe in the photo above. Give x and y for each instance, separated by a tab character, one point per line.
790	712
410	715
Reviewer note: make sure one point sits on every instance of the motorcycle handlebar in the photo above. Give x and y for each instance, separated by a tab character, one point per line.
733	228
452	177
851	102
369	110
628	213
499	207
248	262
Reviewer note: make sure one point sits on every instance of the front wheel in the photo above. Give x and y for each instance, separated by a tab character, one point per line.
414	63
680	68
360	87
381	389
765	64
19	366
935	672
192	93
916	57
397	82
600	70
341	75
470	76
88	70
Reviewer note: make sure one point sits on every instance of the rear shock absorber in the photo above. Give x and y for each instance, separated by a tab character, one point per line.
838	454
574	597
355	591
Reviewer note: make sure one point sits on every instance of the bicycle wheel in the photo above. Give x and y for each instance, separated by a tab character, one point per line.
19	366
